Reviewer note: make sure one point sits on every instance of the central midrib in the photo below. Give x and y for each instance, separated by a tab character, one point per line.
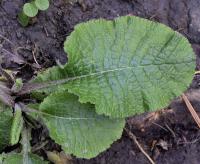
35	86
62	81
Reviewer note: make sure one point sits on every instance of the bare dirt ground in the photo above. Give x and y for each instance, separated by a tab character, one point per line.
169	136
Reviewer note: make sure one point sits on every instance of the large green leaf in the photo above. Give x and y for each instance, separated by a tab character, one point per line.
126	66
77	127
18	159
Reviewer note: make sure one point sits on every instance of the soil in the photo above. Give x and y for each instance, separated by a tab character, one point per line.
169	136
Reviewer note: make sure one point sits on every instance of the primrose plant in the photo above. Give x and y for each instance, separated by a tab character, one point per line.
31	9
116	69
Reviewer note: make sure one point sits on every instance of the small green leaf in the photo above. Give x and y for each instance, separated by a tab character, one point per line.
10	126
18	159
42	4
5	126
76	127
17	126
17	86
30	9
1	159
23	19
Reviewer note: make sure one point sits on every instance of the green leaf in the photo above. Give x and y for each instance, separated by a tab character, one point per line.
5	126
126	66
25	157
23	19
18	159
1	159
17	85
77	127
10	127
42	4
30	9
17	125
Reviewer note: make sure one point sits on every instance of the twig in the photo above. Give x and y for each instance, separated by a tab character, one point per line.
33	53
46	32
191	109
160	126
190	142
197	72
40	146
133	137
153	16
7	40
180	29
171	131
